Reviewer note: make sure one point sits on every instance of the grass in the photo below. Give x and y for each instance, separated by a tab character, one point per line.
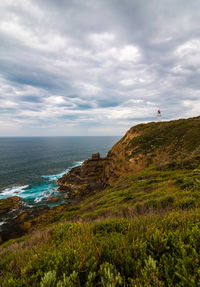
143	230
157	250
150	190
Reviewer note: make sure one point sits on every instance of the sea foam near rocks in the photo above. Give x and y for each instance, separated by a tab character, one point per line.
11	191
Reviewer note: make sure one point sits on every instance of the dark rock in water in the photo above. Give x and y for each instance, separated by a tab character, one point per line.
17	224
52	199
10	203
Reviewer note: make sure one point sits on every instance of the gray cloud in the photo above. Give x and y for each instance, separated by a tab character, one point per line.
96	67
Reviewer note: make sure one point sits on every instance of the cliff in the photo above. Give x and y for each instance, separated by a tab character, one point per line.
83	179
143	146
154	144
136	225
173	147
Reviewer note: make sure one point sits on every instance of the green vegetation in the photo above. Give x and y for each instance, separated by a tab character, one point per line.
180	136
158	250
9	203
144	230
153	242
150	191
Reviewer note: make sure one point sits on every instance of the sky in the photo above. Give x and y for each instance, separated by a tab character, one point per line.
96	67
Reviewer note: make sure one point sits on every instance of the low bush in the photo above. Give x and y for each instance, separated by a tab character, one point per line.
187	203
144	251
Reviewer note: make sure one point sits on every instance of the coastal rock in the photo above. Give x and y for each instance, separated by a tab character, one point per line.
10	203
150	145
21	222
23	216
65	188
86	178
52	199
96	156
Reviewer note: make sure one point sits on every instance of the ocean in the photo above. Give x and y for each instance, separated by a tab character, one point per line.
30	166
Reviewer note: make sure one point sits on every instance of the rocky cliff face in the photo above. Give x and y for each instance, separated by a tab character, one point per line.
88	177
152	145
10	203
143	146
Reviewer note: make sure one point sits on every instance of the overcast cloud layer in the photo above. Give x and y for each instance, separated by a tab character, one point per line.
96	67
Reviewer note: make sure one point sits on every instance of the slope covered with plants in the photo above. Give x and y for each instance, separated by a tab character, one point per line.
141	230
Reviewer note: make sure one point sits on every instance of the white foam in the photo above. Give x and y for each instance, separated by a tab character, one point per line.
13	191
55	177
28	205
2	222
37	199
36	192
77	163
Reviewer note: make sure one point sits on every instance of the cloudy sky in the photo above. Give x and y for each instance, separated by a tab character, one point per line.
96	67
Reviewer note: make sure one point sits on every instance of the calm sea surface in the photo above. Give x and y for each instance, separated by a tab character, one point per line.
29	167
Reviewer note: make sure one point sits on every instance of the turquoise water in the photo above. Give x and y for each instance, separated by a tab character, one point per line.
37	193
30	167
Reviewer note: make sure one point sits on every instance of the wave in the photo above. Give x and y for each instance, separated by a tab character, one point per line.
77	163
36	193
37	199
14	190
56	176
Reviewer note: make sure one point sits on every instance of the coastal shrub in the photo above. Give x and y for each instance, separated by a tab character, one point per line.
109	276
69	281
144	251
187	203
151	203
91	279
49	279
150	274
191	182
156	244
111	226
167	201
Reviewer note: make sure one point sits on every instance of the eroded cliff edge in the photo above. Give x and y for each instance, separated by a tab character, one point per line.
81	180
154	145
143	146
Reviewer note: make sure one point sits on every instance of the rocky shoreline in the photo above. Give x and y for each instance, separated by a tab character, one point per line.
78	182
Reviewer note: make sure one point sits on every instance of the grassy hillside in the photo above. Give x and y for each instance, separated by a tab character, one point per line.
154	144
142	230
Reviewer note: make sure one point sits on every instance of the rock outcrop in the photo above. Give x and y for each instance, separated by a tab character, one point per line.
10	203
153	145
146	145
52	199
83	179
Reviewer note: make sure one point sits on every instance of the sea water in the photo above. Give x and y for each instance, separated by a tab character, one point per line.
30	166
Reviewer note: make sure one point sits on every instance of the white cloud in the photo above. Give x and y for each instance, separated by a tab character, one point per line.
129	53
105	62
102	40
30	38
